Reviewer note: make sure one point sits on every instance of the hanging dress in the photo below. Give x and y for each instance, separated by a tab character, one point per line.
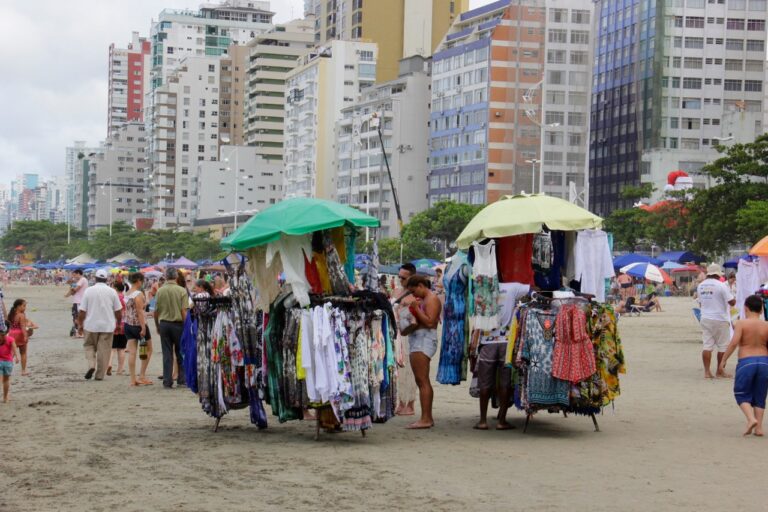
538	344
486	287
454	339
574	355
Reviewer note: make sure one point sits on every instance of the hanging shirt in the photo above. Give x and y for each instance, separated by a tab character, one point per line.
593	261
747	282
513	255
292	250
509	294
486	286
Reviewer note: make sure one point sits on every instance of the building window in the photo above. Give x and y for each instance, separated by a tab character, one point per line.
755	45
694	63
579	37
734	65
734	24
694	22
558	15
692	103
694	42
756	25
753	85
732	85
691	83
580	16
558	36
734	44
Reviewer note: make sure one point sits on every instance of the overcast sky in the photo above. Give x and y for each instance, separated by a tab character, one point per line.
53	83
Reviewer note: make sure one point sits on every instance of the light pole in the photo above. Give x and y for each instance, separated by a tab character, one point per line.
533	162
110	203
225	139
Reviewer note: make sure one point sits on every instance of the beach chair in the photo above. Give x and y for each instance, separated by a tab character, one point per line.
633	308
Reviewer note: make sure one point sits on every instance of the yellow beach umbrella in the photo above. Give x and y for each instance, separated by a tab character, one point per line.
521	214
760	248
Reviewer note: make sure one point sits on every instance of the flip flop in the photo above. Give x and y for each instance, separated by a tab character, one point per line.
505	427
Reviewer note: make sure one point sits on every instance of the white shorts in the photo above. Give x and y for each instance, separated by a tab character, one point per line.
715	334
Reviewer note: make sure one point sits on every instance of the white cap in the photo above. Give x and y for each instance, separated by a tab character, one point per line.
101	274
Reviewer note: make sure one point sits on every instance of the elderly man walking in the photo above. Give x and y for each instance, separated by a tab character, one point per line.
715	298
98	314
170	312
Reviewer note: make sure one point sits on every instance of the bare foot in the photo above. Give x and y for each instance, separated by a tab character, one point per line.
134	383
420	425
759	431
750	427
503	425
406	411
724	375
481	425
25	374
145	382
708	375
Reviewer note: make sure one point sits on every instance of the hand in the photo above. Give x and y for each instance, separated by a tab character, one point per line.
16	359
143	331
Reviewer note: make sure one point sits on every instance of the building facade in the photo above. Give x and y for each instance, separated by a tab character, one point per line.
128	82
665	76
271	56
325	82
400	28
259	185
77	183
400	109
117	179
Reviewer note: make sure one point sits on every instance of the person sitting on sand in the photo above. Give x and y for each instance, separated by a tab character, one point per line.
9	353
425	308
750	385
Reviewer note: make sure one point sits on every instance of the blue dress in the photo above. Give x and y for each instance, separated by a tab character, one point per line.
454	339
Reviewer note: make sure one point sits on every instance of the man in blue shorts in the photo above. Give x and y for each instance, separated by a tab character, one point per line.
750	385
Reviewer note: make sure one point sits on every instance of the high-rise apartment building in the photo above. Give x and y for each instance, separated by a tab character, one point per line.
183	118
510	85
117	181
271	56
666	74
316	91
76	181
128	82
400	28
400	109
185	130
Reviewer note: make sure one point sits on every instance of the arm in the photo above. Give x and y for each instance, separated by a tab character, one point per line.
16	354
22	319
431	317
139	302
732	346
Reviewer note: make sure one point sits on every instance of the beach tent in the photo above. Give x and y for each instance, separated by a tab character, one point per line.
628	259
183	263
82	259
680	257
760	248
126	258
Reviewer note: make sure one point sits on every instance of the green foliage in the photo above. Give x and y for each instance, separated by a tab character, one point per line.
643	191
752	220
48	241
389	251
440	224
628	228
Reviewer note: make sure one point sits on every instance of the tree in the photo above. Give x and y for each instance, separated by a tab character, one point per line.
752	220
628	228
43	239
432	231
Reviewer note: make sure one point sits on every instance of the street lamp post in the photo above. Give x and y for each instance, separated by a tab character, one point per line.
533	162
110	203
225	139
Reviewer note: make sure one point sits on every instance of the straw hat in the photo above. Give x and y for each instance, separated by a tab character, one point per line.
714	270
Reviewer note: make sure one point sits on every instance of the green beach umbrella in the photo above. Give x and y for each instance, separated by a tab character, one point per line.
522	214
296	216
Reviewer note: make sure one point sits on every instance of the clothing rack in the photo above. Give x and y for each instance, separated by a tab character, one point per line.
565	414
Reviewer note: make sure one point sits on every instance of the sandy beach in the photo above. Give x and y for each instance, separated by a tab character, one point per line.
672	442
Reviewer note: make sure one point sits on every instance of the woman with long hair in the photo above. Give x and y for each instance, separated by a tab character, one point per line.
136	328
17	319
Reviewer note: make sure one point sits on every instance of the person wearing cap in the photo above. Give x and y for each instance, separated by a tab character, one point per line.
716	299
99	312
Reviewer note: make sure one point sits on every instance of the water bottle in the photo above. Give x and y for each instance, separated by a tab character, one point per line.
142	348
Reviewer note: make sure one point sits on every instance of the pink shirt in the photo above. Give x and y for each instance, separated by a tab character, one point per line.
77	298
6	351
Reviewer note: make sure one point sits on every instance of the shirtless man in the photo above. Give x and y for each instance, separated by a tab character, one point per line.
750	385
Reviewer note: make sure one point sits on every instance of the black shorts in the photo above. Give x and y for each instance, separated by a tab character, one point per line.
626	285
133	332
119	341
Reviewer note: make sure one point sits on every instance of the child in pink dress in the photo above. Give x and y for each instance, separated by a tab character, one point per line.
9	353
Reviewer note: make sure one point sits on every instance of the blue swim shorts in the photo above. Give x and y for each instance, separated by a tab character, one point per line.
750	384
6	368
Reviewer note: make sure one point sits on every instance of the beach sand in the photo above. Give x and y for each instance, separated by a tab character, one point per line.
672	442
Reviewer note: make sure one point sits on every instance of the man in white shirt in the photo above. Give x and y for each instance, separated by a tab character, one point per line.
716	300
76	291
100	310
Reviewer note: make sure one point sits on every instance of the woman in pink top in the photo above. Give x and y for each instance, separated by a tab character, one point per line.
17	319
9	353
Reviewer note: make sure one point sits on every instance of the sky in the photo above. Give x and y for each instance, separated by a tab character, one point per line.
54	61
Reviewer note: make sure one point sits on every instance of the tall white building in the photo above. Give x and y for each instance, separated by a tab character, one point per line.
74	181
184	120
326	81
128	82
117	181
259	185
271	56
400	108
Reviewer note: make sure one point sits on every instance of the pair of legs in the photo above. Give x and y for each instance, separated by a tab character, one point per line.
23	356
405	408
706	357
120	353
98	349
170	342
6	389
133	349
750	388
490	363
716	335
420	363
